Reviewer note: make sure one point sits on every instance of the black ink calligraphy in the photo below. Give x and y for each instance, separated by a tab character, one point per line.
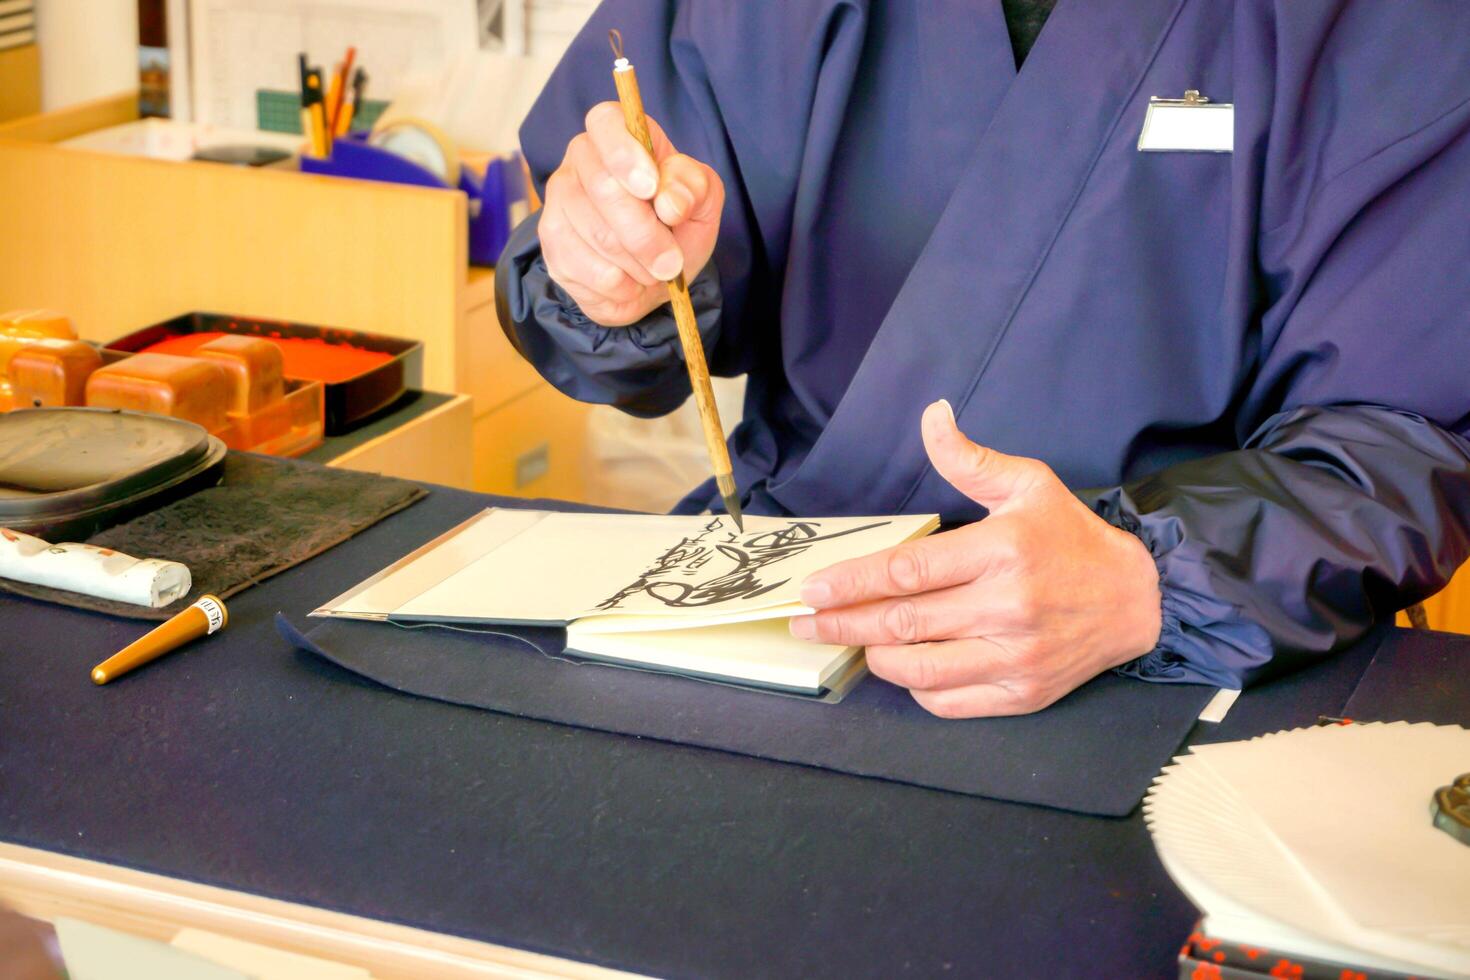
721	565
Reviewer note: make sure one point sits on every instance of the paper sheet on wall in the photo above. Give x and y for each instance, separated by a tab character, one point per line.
240	46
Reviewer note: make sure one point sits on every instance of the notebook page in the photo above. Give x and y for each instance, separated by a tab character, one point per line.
719	573
635	623
524	566
551	571
384	593
762	652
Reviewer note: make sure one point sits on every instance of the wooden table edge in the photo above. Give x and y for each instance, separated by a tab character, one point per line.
47	885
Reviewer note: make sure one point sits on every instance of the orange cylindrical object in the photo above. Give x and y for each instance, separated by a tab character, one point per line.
188	388
20	327
50	373
254	366
37	323
190	624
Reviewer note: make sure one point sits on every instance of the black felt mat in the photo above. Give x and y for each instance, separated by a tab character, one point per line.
1418	676
266	516
1094	751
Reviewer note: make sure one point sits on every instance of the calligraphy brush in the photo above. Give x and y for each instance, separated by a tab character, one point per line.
704	396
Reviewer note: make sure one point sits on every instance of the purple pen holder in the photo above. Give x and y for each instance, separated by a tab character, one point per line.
491	198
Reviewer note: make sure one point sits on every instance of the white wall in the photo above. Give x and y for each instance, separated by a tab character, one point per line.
551	24
89	49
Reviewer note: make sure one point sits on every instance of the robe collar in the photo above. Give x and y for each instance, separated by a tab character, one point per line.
1011	201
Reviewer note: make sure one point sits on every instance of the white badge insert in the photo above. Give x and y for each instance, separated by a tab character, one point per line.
1192	124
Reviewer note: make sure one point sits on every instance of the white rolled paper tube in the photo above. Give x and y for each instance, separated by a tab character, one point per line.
93	571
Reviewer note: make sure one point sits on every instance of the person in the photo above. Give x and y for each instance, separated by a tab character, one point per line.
24	953
1213	404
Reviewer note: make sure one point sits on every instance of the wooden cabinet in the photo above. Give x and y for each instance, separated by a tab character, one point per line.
433	447
20	81
1450	609
120	242
534	446
529	438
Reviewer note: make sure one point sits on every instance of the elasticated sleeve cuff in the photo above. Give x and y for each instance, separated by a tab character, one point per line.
1198	634
639	368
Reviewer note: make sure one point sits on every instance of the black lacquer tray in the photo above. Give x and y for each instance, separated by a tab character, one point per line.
348	403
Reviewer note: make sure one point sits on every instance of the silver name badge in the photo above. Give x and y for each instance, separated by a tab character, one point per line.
1192	124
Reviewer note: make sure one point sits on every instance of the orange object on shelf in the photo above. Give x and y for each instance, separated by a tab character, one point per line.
20	327
184	387
255	367
287	418
235	386
309	358
37	323
50	373
288	426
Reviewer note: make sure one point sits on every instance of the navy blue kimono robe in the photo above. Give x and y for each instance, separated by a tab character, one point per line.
1261	358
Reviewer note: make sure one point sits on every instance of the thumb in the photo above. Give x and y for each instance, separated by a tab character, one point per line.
987	477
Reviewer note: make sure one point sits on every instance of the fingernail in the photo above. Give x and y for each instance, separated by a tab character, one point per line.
948	408
668	265
642	183
804	627
677	200
816	593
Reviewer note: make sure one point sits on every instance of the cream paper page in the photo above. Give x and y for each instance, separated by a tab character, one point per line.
384	593
719	574
762	651
550	571
517	566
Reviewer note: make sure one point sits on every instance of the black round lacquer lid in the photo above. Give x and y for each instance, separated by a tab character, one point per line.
60	464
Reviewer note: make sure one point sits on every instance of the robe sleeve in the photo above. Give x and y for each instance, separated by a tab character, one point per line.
748	111
1350	495
638	368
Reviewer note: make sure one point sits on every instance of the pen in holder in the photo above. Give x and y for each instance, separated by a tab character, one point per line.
493	198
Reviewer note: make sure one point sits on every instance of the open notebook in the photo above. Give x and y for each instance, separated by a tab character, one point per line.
688	595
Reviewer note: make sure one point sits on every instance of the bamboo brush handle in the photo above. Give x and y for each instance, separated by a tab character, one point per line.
704	395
